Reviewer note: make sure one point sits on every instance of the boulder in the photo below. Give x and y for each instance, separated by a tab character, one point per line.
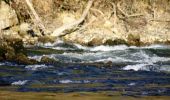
48	60
8	16
23	59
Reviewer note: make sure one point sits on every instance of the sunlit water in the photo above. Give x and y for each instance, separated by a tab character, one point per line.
130	70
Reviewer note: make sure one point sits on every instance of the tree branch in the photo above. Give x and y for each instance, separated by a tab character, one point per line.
124	13
37	20
60	31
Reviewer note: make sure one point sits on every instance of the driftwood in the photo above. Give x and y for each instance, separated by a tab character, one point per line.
37	19
60	31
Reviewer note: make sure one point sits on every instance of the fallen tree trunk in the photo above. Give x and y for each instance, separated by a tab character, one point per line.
37	20
60	31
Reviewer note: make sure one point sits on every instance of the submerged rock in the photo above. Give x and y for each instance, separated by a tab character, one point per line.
48	60
23	59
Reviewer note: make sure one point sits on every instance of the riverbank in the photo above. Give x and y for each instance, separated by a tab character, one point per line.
5	95
108	23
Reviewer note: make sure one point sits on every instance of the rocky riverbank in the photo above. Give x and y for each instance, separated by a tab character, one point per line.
119	22
108	23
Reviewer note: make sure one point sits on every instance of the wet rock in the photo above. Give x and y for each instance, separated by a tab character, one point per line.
23	59
48	60
8	16
6	51
46	39
115	42
12	49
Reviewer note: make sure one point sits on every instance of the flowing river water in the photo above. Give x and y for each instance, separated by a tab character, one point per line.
133	71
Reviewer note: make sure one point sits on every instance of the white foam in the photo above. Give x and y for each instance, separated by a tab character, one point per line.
37	58
37	67
109	48
50	44
148	67
65	81
132	84
86	81
1	64
20	82
120	47
136	67
81	47
116	56
156	46
75	81
62	48
165	68
116	59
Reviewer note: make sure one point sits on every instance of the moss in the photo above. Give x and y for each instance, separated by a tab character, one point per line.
115	42
46	39
12	49
41	51
48	60
23	59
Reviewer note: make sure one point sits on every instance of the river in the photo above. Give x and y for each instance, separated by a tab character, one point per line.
130	70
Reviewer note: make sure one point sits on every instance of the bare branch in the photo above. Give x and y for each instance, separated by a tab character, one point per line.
60	31
124	13
37	20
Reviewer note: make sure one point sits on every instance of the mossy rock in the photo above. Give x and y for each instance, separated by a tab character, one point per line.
48	60
23	59
12	49
46	39
16	44
6	51
115	42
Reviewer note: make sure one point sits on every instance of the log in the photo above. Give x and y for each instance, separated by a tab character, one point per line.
60	31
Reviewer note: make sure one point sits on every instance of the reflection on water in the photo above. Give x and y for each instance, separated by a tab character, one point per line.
130	70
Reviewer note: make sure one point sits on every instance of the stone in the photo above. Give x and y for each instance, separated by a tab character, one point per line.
8	16
48	60
134	39
23	59
46	39
24	28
